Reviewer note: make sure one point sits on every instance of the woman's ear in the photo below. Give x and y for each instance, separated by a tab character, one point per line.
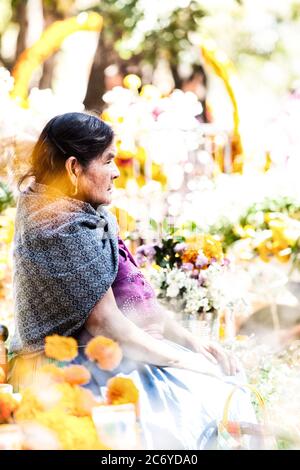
72	168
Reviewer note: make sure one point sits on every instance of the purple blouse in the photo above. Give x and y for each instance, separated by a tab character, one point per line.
134	295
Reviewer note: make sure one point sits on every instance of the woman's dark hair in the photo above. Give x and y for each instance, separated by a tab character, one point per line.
81	135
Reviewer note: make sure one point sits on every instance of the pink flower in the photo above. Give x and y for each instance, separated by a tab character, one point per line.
201	279
156	112
144	254
187	266
180	247
201	261
140	260
226	262
146	250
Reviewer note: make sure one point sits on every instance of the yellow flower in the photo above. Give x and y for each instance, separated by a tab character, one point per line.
132	81
241	337
7	226
211	247
69	416
106	352
150	92
73	433
61	348
122	391
29	406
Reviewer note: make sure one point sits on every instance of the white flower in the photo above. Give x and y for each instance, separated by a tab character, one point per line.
172	291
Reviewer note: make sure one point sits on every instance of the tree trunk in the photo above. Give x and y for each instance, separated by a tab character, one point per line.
22	20
176	77
96	84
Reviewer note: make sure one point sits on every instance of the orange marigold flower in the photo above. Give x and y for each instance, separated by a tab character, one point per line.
121	391
8	406
211	247
190	254
106	352
86	401
76	375
61	348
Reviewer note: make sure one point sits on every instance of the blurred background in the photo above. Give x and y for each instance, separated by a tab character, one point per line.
204	98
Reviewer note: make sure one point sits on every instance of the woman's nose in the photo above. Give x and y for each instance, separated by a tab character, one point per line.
116	172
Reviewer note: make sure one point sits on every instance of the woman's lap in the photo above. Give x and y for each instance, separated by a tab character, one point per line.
177	406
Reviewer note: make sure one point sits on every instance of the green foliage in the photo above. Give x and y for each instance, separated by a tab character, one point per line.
6	197
16	3
254	216
165	255
5	14
120	17
225	229
283	205
170	38
153	225
296	256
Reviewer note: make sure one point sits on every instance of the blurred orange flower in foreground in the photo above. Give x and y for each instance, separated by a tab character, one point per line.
61	348
7	407
76	375
121	391
106	352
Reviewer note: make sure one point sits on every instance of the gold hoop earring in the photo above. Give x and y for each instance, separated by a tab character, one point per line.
76	188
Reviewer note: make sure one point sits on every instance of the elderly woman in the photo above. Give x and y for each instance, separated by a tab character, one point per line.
73	276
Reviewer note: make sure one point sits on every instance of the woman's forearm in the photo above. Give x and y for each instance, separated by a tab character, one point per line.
176	332
106	319
136	343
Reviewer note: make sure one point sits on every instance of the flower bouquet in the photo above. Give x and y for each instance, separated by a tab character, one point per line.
269	230
193	278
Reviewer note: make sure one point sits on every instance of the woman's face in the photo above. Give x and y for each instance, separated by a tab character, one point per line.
95	183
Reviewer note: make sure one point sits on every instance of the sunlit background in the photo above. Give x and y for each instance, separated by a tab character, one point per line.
204	98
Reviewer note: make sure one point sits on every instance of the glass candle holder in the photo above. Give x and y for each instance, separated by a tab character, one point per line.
6	388
116	426
10	437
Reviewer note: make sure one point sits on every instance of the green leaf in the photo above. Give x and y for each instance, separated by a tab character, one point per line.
6	197
153	224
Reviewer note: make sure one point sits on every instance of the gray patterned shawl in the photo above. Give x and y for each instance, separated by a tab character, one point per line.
65	259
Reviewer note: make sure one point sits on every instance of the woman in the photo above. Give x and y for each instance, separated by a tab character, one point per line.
74	277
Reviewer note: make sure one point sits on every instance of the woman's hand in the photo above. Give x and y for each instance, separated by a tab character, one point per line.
216	354
196	362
